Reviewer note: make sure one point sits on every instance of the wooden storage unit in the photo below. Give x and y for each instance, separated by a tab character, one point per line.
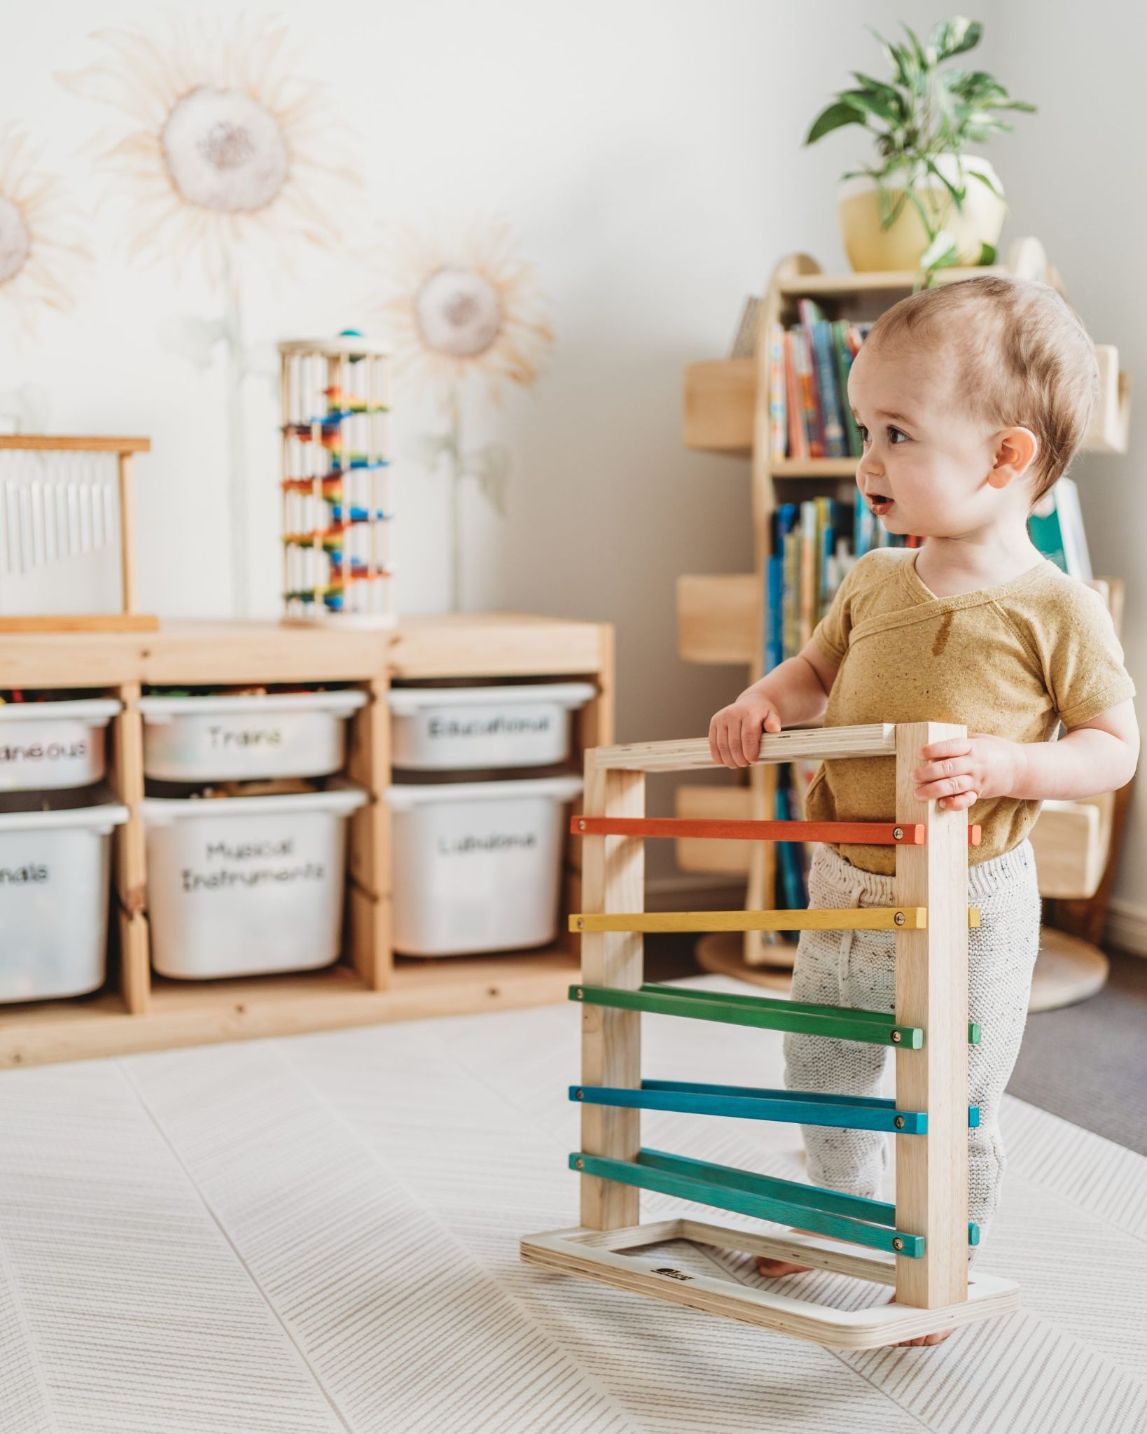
721	617
139	1010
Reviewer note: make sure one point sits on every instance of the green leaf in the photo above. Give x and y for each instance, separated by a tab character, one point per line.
987	254
895	56
893	97
832	118
871	104
954	36
988	182
974	85
924	58
941	253
958	193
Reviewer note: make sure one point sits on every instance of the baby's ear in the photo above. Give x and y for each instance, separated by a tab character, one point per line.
1016	451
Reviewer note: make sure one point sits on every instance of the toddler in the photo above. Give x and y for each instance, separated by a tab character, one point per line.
971	399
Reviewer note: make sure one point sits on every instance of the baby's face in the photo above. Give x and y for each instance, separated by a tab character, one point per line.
922	449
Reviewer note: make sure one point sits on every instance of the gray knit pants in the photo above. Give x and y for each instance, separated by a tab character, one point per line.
858	968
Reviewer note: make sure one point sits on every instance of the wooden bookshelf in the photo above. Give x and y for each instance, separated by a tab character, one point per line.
721	617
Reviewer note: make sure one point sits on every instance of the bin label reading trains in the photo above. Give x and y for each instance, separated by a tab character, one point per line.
244	737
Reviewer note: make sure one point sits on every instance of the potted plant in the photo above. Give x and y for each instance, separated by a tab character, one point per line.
917	205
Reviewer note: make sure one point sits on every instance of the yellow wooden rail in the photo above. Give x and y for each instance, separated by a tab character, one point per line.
858	918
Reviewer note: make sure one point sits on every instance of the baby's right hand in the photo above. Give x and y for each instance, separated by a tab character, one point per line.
735	731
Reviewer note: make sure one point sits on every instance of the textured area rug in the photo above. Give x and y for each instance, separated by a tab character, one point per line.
320	1234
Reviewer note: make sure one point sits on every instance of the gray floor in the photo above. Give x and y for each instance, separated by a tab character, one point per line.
1085	1063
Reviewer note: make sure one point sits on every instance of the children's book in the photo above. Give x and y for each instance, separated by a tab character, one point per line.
844	357
806	387
818	334
798	439
745	339
778	417
790	597
781	523
810	311
1055	526
810	545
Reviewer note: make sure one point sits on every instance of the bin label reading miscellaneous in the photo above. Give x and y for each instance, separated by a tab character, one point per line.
232	874
43	752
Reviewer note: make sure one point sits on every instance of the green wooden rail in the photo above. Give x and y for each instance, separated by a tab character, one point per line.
765	1197
842	1022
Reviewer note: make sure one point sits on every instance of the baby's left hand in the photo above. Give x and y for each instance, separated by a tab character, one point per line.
960	770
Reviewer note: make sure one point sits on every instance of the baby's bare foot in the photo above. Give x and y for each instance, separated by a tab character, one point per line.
767	1266
938	1336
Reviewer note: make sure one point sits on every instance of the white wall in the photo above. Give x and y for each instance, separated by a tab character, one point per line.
648	154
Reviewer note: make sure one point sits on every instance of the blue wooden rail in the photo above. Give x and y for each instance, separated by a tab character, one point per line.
851	1112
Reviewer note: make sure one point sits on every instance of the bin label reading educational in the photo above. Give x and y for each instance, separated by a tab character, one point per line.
229	861
504	724
244	737
490	841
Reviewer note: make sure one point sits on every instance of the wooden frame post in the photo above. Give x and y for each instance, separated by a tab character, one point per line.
932	991
613	879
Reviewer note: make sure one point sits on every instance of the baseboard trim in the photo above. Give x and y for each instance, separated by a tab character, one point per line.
1126	927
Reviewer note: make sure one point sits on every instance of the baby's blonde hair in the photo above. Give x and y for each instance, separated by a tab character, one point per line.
1023	359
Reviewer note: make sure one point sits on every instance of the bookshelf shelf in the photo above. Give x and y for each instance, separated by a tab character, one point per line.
814	467
721	618
720	401
883	282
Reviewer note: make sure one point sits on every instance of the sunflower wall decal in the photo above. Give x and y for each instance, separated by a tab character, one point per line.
226	153
40	249
465	313
223	142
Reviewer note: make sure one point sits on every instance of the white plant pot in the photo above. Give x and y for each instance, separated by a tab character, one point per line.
899	248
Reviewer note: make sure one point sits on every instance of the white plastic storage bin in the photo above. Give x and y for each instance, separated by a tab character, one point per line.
54	877
48	745
526	725
477	865
227	737
243	885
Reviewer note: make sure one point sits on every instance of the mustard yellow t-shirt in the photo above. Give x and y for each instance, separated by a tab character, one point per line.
1012	660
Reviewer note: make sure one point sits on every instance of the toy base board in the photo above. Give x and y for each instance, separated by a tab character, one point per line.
595	1254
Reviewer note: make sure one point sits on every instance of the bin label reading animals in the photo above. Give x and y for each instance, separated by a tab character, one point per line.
34	871
272	863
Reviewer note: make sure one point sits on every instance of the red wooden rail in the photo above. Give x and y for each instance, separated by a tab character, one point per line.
861	833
